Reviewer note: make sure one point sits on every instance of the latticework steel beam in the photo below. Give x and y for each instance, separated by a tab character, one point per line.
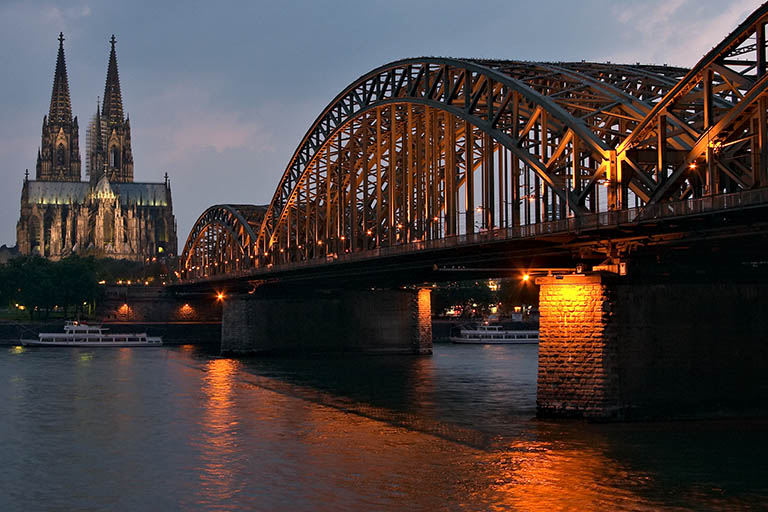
222	241
422	149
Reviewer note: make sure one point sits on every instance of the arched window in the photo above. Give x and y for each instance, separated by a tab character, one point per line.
60	155
114	157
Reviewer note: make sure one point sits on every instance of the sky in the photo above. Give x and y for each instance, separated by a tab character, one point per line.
220	93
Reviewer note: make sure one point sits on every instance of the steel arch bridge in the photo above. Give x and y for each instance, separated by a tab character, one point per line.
427	149
223	240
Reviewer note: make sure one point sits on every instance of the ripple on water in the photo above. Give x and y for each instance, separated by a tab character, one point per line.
170	428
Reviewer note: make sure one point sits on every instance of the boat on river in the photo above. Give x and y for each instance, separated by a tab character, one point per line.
495	335
77	334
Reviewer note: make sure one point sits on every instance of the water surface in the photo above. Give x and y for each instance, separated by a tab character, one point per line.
177	428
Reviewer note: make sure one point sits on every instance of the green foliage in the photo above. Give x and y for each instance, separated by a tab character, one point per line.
510	292
112	270
38	284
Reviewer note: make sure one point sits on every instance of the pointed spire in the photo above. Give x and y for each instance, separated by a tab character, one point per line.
61	106
97	126
112	109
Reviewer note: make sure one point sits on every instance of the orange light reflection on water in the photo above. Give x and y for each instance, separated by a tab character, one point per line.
395	458
541	476
219	426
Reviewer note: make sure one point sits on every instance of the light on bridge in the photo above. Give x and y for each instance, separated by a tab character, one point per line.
220	296
526	277
692	166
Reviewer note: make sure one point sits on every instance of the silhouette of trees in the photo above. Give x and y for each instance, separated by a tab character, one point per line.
38	285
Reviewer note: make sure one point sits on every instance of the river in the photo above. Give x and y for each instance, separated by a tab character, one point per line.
178	428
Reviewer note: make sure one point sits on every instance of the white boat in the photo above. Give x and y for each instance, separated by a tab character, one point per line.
77	334
495	335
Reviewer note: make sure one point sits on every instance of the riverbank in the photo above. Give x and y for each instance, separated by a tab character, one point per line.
173	333
179	333
442	327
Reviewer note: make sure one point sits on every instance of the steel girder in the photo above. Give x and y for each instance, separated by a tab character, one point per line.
418	149
540	115
222	241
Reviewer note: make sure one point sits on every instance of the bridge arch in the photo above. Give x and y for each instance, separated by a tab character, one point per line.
717	114
222	241
429	148
547	129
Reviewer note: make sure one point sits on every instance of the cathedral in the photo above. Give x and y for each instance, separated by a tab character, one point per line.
109	215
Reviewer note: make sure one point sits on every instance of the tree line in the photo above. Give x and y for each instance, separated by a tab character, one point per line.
71	285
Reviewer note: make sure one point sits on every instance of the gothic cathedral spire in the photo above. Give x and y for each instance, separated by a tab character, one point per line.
59	155
112	109
117	155
61	106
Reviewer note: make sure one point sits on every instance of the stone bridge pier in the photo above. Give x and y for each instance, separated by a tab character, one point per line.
370	321
616	348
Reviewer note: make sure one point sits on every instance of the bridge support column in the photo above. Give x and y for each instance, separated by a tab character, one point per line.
614	349
371	321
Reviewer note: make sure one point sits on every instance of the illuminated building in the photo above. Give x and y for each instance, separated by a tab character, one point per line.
110	214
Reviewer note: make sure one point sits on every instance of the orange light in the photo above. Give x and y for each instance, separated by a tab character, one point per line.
526	277
692	166
220	296
319	242
368	232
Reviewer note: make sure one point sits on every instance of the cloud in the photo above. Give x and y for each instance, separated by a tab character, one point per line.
195	123
677	32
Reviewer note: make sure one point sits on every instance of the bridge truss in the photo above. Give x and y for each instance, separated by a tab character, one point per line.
223	240
430	148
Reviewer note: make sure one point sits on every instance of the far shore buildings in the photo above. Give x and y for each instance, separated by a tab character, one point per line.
109	215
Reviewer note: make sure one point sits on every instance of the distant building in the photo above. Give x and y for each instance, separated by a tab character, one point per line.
109	214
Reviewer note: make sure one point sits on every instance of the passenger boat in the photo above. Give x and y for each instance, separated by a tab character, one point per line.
495	335
78	334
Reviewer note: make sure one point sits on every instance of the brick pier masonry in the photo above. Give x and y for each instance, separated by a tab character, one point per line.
614	349
370	321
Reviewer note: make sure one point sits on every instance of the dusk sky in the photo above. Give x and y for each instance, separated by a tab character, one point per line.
220	93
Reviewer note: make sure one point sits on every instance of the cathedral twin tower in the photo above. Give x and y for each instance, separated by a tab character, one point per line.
108	215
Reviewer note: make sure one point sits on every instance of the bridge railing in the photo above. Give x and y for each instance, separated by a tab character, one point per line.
576	225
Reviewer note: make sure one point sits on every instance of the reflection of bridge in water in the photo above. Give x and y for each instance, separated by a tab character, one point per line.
423	165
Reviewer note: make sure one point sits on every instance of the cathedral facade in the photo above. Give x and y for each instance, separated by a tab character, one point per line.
109	214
